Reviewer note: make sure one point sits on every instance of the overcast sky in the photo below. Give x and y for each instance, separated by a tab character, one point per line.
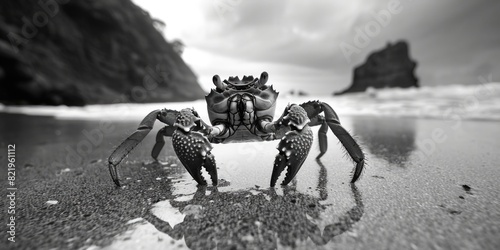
314	45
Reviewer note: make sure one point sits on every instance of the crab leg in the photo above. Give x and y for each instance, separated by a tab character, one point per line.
294	146
160	141
322	138
130	143
346	139
332	120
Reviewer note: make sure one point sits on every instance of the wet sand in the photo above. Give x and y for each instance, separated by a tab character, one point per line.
429	184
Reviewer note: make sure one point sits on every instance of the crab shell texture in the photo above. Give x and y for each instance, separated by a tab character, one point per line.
258	98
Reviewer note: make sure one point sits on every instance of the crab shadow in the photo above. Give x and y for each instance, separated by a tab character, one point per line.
258	218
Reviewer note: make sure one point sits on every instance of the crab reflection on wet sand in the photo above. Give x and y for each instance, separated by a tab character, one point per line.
242	111
257	219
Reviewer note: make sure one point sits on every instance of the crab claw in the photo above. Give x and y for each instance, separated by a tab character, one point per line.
294	146
193	148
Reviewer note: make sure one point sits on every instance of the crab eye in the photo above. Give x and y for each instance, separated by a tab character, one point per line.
195	113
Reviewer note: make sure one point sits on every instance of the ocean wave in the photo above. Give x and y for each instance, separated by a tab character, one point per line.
477	102
440	102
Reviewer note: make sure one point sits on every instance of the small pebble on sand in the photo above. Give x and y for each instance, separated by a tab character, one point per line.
52	202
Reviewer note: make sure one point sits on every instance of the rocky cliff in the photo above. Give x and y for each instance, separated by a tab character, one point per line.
387	68
55	52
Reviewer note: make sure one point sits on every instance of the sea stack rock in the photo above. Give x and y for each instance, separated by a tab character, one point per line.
388	68
88	52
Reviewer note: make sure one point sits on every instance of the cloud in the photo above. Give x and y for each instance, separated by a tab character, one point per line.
295	32
451	40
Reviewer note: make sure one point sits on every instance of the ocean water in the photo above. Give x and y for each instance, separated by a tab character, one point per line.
470	102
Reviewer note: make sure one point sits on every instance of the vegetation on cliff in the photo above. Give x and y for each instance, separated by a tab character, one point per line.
87	52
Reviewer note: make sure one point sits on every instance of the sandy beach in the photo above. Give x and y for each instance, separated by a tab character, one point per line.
415	83
428	184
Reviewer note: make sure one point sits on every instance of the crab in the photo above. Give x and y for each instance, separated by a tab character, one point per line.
242	111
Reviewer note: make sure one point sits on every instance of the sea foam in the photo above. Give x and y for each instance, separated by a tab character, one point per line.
477	102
